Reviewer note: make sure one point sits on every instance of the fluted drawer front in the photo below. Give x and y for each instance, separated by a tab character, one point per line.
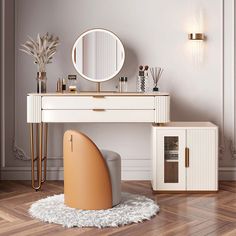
104	102
162	109
34	109
98	115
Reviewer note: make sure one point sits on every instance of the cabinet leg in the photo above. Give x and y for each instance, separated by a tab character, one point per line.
41	154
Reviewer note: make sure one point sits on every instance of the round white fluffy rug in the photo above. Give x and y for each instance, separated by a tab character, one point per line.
132	209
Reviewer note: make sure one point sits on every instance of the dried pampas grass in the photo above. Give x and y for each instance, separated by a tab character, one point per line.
42	49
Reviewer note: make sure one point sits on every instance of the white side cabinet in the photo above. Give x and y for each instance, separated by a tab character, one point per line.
185	157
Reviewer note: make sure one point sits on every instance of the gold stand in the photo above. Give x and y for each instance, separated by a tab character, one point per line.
38	153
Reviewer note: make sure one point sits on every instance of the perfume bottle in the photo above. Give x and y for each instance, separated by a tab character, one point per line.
59	85
123	84
63	85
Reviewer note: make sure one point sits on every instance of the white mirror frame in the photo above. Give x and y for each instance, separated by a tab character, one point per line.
121	64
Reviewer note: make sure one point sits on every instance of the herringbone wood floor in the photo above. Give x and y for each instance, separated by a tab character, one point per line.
181	214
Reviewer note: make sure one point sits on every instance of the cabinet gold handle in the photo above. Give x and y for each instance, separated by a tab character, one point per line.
186	157
98	109
98	96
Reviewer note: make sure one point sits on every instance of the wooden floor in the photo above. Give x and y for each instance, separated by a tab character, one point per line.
180	214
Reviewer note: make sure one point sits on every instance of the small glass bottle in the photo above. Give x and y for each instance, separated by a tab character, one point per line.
72	83
59	85
123	84
63	87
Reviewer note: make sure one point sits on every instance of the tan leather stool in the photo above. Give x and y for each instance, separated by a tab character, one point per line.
91	178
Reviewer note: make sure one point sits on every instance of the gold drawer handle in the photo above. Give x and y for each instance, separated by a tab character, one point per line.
98	109
98	96
186	157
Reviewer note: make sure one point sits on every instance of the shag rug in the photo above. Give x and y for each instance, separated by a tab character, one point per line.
132	209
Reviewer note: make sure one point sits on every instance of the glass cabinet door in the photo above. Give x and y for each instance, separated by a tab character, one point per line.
171	159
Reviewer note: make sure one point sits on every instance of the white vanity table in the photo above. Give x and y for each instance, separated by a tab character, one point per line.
184	154
153	108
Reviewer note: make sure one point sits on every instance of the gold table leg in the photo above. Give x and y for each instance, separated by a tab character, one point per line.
41	153
45	144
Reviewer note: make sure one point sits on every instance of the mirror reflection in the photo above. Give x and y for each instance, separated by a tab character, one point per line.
98	55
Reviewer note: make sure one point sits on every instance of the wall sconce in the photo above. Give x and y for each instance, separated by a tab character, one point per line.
196	36
197	46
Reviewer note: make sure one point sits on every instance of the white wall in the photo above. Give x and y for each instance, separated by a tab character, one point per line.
153	32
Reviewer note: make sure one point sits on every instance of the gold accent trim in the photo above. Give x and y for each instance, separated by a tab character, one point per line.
98	86
99	109
75	55
39	155
186	157
196	36
98	96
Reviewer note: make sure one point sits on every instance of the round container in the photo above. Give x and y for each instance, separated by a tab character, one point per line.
142	84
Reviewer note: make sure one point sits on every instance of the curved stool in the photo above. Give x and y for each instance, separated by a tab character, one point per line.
113	161
91	178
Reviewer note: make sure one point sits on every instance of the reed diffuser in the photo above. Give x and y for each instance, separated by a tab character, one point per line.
156	73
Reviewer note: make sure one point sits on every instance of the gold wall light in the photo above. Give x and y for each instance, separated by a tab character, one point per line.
197	46
196	36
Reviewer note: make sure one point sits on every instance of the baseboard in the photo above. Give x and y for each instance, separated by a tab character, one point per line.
56	173
227	173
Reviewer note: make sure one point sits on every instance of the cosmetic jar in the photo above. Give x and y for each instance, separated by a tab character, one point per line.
142	82
72	83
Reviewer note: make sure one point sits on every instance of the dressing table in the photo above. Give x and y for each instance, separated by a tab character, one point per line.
88	107
98	55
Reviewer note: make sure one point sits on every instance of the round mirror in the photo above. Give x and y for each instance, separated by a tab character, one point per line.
98	55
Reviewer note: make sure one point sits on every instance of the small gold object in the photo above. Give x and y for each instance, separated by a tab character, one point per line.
186	157
99	96
98	87
196	36
96	109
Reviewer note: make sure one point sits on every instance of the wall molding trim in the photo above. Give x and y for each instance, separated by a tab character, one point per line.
2	83
128	173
